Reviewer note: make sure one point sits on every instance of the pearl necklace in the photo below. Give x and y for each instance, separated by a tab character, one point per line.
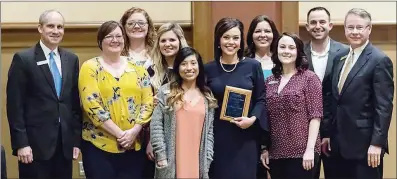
228	71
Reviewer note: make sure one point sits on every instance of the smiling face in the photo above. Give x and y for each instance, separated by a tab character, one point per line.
357	30
287	51
136	26
169	44
52	29
230	41
113	42
189	68
318	24
263	35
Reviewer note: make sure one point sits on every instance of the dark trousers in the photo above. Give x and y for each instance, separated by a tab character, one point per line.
148	171
99	164
291	168
261	172
327	167
3	163
56	167
354	169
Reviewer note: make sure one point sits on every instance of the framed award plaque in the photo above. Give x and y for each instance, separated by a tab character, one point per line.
236	102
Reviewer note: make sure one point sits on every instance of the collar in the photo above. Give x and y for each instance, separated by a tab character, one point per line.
360	49
325	51
47	51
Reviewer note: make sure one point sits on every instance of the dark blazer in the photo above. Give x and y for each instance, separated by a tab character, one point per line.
334	49
33	108
362	111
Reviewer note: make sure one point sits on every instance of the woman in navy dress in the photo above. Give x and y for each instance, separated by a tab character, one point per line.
237	143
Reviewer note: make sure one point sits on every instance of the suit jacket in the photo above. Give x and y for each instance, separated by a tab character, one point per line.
34	109
362	111
334	49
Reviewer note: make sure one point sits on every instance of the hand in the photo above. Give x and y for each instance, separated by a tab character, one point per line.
155	101
76	153
308	159
149	151
326	146
162	163
129	137
25	155
374	156
244	122
265	159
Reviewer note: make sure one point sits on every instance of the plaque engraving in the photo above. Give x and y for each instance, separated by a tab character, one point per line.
235	103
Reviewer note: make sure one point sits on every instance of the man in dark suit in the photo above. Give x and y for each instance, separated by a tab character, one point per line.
321	51
43	106
362	103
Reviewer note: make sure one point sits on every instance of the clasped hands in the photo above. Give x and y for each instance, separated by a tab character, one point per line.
127	138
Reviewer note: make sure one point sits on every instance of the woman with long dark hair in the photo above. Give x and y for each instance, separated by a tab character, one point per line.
182	123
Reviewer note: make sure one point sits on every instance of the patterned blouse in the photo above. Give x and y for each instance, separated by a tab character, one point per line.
290	113
127	101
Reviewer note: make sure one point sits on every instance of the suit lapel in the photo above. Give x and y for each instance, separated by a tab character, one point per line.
361	61
309	56
64	68
333	50
45	68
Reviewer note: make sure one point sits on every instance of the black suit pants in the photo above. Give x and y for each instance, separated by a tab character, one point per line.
57	167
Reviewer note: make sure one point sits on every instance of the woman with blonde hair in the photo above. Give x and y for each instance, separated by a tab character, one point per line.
182	122
170	38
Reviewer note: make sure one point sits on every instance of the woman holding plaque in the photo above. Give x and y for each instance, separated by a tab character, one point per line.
237	137
294	98
182	122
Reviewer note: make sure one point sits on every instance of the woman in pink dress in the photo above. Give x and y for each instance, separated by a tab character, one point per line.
181	129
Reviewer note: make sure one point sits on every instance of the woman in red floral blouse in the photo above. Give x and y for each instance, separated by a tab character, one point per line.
294	100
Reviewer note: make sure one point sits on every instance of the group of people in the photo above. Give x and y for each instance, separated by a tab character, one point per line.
148	107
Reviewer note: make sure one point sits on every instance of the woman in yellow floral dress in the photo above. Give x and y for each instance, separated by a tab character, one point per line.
117	101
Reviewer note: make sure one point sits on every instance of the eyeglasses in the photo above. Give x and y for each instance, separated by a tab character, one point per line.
117	37
141	24
359	28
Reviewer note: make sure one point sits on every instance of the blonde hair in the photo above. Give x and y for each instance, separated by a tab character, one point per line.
159	64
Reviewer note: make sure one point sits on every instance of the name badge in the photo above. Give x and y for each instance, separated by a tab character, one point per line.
42	62
129	70
272	82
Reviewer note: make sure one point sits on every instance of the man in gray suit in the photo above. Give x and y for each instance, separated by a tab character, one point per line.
321	51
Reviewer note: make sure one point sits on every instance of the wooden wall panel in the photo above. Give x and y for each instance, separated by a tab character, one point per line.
81	40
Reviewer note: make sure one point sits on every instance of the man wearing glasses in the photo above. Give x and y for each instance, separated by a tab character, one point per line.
362	103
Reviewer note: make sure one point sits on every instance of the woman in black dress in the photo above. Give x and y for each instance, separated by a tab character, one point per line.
237	143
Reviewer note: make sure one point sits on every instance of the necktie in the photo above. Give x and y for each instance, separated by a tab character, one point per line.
348	67
55	74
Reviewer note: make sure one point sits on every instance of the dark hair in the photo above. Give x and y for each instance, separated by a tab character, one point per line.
221	27
251	49
151	32
176	85
301	63
105	29
318	9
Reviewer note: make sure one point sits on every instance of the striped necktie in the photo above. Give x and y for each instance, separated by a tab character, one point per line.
348	67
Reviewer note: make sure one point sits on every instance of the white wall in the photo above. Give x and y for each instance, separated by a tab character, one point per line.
381	12
93	12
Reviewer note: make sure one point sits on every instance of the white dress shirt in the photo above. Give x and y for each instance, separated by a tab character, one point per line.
319	61
57	57
357	53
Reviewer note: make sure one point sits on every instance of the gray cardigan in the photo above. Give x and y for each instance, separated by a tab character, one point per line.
162	135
